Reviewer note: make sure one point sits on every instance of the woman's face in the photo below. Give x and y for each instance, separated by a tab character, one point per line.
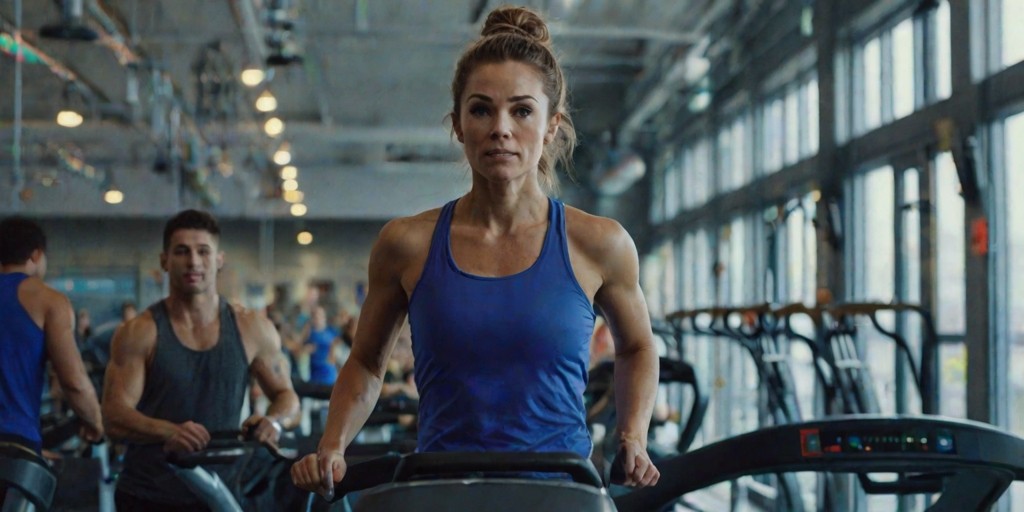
503	121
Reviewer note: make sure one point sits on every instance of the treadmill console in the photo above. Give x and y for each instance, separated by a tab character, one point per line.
819	442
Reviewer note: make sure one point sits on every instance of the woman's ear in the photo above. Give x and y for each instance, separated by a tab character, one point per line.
549	136
456	127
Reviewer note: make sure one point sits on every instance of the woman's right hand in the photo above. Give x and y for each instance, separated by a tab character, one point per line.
319	472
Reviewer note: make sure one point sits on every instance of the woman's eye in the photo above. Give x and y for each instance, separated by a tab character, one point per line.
478	110
523	111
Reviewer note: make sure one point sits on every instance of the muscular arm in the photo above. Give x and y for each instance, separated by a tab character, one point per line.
636	358
58	328
359	383
271	370
125	379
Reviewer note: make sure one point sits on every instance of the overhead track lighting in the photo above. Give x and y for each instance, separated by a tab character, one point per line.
70	27
289	172
304	237
298	209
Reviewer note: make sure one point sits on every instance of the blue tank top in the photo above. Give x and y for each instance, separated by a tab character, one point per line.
501	362
321	369
22	365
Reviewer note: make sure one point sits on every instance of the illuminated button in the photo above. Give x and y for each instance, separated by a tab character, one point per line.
944	442
810	442
854	442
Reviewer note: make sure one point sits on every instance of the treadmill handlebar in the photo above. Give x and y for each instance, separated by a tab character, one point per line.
403	468
225	448
850	444
452	463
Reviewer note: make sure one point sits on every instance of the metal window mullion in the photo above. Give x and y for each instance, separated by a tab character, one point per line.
925	59
887	81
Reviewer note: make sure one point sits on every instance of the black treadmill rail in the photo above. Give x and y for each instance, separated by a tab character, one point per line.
981	461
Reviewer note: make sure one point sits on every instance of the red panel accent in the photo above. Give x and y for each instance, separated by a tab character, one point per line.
804	450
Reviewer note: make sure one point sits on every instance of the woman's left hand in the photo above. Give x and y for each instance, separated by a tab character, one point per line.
635	463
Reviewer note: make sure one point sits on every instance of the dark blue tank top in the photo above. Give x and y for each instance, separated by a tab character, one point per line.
22	365
501	362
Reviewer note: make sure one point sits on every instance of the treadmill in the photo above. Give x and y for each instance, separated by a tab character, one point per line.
967	464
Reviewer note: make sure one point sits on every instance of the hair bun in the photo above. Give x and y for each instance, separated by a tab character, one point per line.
516	20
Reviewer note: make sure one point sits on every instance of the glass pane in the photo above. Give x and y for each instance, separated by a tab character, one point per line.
872	84
1013	31
903	68
943	57
953	380
739	155
950	262
737	263
911	259
772	123
689	180
812	116
702	271
702	165
795	255
810	251
727	179
1015	262
878	246
791	131
779	140
1014	172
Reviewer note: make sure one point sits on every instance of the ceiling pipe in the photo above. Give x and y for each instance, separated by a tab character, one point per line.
252	30
17	175
672	80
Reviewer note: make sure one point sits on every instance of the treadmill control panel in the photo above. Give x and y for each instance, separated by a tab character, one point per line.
816	442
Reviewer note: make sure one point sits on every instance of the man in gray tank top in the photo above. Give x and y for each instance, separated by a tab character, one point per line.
179	371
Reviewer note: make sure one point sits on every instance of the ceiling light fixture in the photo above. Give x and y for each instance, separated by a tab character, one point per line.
283	155
69	118
113	195
289	185
253	76
293	196
298	209
304	237
273	127
266	102
289	172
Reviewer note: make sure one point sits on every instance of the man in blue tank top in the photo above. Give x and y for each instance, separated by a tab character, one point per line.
37	325
499	285
180	369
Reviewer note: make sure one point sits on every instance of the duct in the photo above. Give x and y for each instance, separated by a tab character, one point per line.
621	171
674	78
112	39
252	30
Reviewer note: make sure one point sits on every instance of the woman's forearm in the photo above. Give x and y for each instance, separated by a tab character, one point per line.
636	386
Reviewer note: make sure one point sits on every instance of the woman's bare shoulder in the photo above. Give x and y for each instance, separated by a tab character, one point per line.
593	234
408	236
